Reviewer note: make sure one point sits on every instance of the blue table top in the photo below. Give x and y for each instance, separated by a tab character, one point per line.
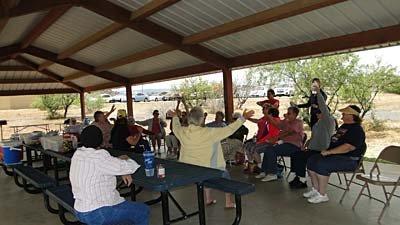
177	174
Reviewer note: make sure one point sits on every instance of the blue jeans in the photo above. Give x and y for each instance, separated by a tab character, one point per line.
125	213
269	163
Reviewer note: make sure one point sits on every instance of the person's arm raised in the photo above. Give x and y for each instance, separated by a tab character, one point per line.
111	111
219	133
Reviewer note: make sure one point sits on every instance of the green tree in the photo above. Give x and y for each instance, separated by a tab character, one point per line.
94	102
197	90
66	101
49	103
367	82
53	103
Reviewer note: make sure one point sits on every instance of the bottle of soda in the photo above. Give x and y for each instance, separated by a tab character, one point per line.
160	171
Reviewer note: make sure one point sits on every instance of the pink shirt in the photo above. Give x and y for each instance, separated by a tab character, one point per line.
297	127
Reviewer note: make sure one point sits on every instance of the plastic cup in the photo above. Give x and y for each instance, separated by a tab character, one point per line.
149	172
148	157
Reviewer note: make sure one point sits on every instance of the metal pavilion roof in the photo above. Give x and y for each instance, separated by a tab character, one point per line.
86	45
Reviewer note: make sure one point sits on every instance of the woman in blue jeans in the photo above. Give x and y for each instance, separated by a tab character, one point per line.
93	179
346	149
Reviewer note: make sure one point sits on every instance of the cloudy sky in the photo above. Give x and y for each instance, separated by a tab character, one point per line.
389	55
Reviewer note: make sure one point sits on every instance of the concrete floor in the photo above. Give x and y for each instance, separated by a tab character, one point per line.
272	203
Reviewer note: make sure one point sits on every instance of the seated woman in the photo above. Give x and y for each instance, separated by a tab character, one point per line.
234	143
346	149
266	136
156	125
93	174
202	145
290	141
121	138
143	144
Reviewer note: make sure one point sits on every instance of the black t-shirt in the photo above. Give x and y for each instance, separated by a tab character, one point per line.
352	134
119	133
240	133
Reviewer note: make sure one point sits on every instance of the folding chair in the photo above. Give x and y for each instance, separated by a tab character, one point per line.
390	154
359	170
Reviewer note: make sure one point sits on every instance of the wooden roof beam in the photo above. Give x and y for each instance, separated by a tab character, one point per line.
15	68
44	54
25	7
141	13
27	81
151	8
161	76
52	16
36	92
48	73
283	11
350	41
155	31
7	51
3	23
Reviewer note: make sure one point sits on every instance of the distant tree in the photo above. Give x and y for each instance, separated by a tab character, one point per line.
196	91
49	103
94	102
66	101
367	82
244	85
395	87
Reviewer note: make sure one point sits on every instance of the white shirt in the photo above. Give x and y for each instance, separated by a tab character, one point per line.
93	178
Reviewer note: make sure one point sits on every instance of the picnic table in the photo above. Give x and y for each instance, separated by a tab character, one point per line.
43	126
177	175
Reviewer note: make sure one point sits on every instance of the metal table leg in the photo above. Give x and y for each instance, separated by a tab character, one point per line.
56	175
200	200
28	155
165	207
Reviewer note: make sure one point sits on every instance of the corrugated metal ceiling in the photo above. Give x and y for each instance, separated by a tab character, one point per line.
18	27
340	19
32	58
120	44
14	87
61	70
75	24
90	81
11	63
5	75
163	62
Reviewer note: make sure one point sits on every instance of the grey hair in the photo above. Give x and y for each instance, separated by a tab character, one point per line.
236	115
196	116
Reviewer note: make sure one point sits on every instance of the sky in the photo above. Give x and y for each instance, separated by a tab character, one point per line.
389	56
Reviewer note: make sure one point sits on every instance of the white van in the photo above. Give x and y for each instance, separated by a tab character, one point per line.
260	91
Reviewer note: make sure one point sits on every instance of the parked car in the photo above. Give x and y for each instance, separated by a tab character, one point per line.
140	97
106	97
284	90
171	96
118	98
260	91
157	96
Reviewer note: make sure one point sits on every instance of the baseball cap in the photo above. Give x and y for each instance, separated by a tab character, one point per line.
351	110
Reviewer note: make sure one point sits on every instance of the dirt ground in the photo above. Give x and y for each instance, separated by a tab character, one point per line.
387	110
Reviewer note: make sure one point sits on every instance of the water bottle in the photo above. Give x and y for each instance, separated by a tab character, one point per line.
149	163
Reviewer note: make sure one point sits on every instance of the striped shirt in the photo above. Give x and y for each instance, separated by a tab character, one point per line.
92	175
